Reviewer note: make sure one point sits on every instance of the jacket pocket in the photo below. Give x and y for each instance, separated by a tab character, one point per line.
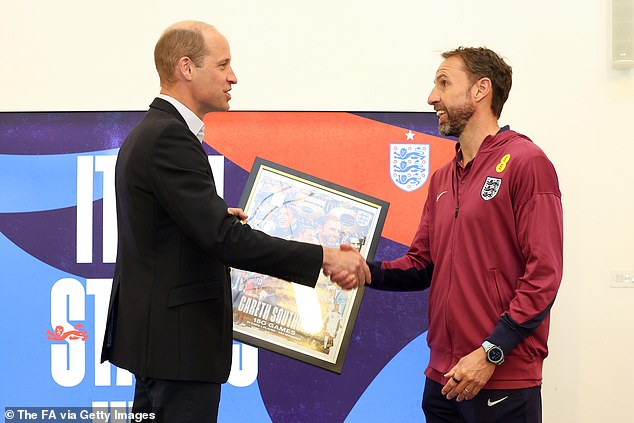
494	289
193	293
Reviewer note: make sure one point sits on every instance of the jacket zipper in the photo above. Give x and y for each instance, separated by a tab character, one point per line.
457	188
448	329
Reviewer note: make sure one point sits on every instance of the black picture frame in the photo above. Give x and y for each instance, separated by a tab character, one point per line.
313	325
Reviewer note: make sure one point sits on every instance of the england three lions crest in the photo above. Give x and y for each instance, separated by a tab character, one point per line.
409	165
491	187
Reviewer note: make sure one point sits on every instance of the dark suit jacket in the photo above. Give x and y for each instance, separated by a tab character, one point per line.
170	313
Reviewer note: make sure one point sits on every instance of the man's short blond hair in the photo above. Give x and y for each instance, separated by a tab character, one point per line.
183	39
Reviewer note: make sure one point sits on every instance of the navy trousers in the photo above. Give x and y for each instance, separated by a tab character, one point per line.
177	401
489	406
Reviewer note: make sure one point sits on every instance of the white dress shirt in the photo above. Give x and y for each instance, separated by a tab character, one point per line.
193	122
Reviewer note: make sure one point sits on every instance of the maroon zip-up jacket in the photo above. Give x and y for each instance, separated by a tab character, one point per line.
490	247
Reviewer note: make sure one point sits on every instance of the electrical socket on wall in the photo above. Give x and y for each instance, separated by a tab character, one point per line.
621	279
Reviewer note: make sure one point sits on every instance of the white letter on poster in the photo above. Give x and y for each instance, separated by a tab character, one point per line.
85	170
68	360
244	366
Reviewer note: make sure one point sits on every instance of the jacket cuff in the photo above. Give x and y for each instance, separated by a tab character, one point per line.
506	335
377	275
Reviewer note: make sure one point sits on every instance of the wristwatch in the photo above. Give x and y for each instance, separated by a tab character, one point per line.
494	353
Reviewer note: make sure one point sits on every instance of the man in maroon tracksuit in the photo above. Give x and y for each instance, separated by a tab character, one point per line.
489	246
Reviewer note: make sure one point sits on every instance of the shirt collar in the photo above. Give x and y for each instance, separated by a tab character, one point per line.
459	151
193	122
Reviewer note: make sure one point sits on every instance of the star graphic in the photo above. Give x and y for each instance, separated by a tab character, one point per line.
410	135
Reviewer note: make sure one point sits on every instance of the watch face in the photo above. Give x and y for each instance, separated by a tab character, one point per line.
495	354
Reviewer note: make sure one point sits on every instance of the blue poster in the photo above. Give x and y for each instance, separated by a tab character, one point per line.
58	248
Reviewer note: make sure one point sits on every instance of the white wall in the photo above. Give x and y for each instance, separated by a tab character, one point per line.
351	55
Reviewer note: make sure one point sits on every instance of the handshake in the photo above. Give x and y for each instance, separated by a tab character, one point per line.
346	267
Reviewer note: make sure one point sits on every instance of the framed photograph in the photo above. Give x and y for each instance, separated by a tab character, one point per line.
313	325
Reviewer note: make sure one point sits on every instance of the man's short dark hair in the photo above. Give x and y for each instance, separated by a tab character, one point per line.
484	63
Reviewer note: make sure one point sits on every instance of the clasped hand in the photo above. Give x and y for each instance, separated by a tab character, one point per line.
346	267
468	376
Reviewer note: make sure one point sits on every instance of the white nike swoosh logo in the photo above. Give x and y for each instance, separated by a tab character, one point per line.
492	403
440	195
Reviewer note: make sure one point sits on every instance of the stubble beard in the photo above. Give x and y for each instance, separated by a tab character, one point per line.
457	119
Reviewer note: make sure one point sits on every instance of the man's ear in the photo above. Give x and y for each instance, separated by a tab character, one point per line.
483	88
183	69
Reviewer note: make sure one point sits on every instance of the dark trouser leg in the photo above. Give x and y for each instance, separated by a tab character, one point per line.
489	406
506	405
177	401
437	408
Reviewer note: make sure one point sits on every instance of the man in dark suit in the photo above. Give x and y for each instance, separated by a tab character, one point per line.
170	314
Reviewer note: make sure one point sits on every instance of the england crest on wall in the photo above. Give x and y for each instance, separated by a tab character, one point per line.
409	165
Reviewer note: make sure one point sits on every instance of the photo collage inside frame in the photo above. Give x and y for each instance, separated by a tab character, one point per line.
310	324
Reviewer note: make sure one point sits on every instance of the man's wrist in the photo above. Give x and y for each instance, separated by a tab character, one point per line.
328	258
494	354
